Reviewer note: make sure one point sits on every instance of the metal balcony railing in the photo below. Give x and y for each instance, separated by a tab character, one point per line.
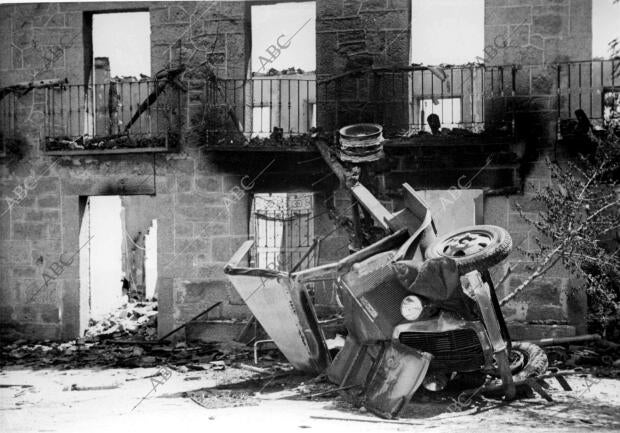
117	116
592	86
282	110
401	99
273	109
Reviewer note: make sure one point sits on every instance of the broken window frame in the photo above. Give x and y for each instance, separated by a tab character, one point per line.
151	123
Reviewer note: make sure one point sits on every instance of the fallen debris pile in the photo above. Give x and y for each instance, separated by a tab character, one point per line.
132	319
127	337
601	357
118	141
127	354
215	398
278	382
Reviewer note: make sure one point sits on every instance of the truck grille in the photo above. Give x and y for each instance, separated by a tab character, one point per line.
456	350
375	285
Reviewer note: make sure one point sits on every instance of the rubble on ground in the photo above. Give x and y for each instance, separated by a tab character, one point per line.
215	398
127	337
109	353
602	357
118	141
132	319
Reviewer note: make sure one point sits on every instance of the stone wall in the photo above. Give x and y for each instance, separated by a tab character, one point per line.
536	35
196	196
188	191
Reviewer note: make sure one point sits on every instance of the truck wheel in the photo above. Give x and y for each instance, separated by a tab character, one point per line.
535	360
526	360
473	248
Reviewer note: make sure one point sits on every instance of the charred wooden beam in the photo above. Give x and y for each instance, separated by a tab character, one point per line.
164	77
346	177
144	105
26	86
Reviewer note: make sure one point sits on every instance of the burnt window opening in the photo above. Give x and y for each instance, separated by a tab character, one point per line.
452	94
605	29
275	103
123	38
590	87
120	106
447	31
283	63
288	47
121	57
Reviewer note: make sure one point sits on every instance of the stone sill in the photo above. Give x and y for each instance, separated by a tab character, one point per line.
448	141
236	148
82	152
528	331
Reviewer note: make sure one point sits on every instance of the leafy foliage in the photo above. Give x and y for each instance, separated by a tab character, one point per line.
577	227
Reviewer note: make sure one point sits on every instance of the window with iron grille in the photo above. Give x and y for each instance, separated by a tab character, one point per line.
283	231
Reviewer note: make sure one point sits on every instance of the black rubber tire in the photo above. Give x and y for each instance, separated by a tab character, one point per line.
498	248
536	362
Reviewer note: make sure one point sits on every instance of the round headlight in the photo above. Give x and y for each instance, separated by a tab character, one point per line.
411	307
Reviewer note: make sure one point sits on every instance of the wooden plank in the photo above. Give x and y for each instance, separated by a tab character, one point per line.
404	218
372	205
563	383
239	254
331	162
415	203
328	271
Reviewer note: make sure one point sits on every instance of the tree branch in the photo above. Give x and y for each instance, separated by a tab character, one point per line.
540	269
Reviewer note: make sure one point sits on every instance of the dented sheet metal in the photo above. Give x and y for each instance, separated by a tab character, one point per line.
352	363
398	373
284	310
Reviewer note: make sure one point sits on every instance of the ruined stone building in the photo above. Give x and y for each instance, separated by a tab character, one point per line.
191	185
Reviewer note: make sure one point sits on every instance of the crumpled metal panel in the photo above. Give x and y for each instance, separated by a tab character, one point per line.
284	310
353	363
398	373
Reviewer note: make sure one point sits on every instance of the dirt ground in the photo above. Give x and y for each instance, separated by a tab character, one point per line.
230	399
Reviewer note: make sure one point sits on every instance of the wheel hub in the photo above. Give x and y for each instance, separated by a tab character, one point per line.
466	244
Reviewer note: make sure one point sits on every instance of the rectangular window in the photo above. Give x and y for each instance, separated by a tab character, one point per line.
605	27
123	38
283	63
447	31
121	69
283	37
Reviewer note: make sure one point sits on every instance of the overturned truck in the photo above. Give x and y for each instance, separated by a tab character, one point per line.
418	307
